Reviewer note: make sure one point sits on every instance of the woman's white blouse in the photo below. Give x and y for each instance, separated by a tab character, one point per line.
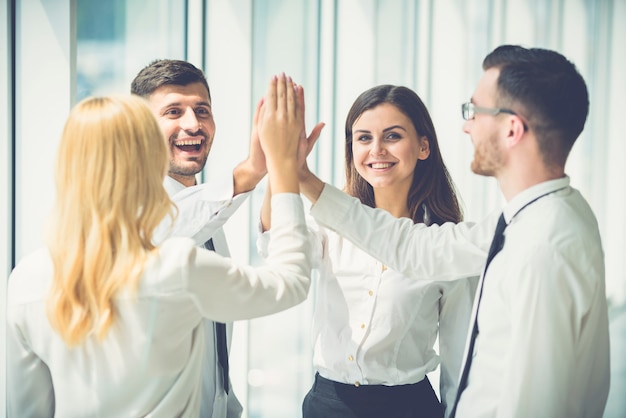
375	326
150	362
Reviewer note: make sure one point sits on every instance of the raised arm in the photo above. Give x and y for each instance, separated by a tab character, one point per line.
242	292
304	148
280	124
446	252
435	252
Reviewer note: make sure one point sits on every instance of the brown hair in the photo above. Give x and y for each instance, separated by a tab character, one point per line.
432	186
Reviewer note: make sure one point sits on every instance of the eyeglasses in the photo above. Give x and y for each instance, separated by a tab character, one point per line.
469	110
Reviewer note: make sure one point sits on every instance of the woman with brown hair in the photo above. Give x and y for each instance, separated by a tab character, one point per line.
374	329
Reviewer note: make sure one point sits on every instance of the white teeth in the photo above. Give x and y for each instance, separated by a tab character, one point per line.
189	142
381	165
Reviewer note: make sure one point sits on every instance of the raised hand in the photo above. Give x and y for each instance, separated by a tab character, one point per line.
249	172
280	122
256	157
306	143
305	146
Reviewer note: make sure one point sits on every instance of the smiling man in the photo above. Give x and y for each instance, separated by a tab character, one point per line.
179	96
186	119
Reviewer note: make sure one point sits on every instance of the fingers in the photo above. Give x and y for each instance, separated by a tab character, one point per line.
256	156
270	101
278	133
300	102
283	96
305	145
314	136
299	106
260	114
257	113
281	117
282	92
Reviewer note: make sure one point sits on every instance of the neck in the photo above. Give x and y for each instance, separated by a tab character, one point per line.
525	167
394	202
516	181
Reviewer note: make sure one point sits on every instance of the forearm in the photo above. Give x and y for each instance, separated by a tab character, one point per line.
227	292
445	252
281	176
311	186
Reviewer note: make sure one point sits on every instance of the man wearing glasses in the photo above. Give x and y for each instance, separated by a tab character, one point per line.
538	344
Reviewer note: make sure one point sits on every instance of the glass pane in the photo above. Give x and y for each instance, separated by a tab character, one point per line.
117	38
285	38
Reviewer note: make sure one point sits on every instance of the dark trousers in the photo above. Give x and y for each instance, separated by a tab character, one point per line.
328	399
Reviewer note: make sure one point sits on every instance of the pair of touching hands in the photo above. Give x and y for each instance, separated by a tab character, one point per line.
279	144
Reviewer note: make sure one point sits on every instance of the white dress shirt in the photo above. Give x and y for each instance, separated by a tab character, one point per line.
202	210
543	346
375	326
150	362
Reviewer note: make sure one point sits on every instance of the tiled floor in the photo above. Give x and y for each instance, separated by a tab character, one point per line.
616	405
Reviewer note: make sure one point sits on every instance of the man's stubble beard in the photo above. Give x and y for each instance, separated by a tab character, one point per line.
487	158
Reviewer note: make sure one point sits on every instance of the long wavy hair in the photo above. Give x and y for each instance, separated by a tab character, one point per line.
432	186
110	197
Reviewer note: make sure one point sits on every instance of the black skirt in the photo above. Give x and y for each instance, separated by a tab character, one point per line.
329	399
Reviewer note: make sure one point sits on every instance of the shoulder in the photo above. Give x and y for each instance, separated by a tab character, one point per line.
564	220
30	279
167	269
176	246
557	237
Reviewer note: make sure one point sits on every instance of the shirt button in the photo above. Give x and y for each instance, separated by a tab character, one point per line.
384	267
362	326
357	384
350	358
371	293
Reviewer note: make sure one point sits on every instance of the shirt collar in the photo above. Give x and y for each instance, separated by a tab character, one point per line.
172	186
525	197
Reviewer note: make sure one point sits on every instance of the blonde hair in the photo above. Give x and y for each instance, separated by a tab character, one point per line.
110	198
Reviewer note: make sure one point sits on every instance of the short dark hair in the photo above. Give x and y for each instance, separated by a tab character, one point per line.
549	91
165	71
432	186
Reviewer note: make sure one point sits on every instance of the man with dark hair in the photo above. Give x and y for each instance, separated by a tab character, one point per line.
538	344
179	96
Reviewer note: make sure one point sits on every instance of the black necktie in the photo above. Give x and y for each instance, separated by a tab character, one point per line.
220	333
496	245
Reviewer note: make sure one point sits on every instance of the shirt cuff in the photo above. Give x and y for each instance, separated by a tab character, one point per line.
287	209
331	206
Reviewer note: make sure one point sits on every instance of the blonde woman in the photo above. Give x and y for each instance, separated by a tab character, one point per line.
103	323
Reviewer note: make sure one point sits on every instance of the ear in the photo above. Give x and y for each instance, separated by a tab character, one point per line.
516	130
424	148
